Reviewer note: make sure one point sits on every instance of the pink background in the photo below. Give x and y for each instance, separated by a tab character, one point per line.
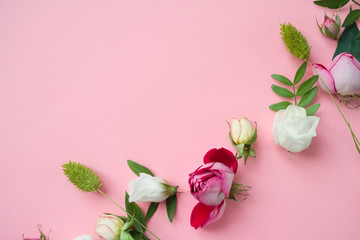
100	82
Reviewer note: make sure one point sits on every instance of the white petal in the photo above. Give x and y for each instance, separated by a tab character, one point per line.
235	130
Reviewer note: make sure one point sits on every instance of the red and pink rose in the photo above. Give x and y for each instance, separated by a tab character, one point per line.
211	184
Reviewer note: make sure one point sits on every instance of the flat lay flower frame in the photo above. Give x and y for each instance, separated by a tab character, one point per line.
215	184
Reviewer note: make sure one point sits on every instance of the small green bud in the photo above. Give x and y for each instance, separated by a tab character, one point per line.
82	177
295	42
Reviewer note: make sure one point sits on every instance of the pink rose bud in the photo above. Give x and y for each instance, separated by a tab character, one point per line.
343	76
203	215
330	27
211	182
109	227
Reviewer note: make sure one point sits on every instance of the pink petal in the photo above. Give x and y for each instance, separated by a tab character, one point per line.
203	215
226	183
326	76
223	156
346	73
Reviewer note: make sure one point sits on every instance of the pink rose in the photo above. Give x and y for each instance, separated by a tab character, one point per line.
343	76
203	215
211	182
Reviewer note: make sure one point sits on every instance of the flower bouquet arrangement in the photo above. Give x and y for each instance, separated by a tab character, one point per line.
294	126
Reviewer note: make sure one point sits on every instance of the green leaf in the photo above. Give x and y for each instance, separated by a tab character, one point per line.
239	151
171	207
358	35
137	168
246	155
351	18
282	79
252	151
332	4
135	211
348	42
312	109
283	92
307	85
127	224
279	106
307	98
124	235
300	73
145	237
136	235
151	210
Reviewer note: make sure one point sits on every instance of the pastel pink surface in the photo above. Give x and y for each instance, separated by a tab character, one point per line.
100	82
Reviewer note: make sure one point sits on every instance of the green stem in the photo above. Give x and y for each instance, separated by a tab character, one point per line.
294	95
142	225
356	140
355	2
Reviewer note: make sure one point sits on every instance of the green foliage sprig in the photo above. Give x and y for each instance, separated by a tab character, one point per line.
305	91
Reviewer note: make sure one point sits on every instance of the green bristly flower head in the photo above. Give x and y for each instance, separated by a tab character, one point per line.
82	177
295	42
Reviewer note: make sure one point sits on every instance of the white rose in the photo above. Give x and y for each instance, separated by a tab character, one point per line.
147	188
293	129
84	237
109	227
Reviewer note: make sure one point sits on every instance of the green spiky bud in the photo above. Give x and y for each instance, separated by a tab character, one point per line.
81	176
295	42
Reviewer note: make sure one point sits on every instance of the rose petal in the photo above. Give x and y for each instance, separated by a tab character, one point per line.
235	130
203	215
326	76
223	156
345	70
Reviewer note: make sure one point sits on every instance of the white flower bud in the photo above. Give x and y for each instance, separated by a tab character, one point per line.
147	188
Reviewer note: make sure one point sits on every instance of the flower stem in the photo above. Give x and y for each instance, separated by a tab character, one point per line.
355	2
356	140
294	95
142	225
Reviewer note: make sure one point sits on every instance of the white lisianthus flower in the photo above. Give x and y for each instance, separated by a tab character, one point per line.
84	237
147	188
293	129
